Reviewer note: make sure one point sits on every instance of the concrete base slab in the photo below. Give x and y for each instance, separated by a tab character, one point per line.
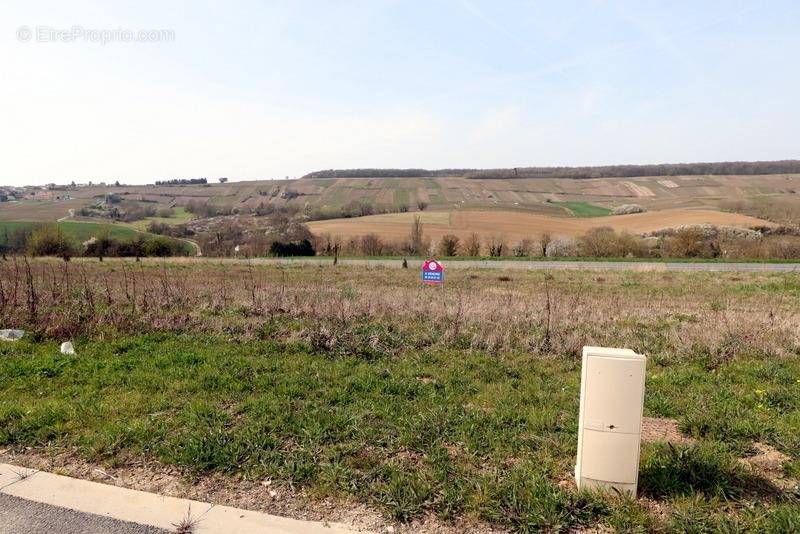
148	508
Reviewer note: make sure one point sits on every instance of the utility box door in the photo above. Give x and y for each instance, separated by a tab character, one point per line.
613	394
600	449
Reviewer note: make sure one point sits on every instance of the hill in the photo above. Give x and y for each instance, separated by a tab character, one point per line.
328	196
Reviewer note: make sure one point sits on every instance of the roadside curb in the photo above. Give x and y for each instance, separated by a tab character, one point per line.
148	508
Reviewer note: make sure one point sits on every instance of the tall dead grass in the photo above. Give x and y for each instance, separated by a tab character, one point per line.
385	311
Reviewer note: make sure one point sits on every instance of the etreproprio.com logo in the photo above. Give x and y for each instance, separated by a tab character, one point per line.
102	36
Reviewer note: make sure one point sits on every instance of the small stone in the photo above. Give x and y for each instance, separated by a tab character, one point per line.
390	529
11	335
273	493
266	482
67	348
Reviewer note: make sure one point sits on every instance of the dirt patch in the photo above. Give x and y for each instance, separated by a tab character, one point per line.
657	429
768	463
269	496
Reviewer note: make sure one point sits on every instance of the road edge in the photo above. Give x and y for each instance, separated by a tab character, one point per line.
145	508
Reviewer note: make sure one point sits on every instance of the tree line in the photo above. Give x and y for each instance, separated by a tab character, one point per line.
691	241
595	171
183	181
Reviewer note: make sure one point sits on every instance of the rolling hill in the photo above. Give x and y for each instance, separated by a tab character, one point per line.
538	195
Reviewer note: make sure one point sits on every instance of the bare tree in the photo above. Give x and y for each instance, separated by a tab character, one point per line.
496	246
416	238
544	242
371	245
472	245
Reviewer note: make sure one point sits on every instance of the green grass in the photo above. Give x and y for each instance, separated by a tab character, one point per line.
80	231
583	209
180	216
450	432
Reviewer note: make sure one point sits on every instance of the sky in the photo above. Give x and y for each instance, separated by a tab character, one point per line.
269	89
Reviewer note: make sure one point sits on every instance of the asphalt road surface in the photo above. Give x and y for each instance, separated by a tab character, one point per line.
20	516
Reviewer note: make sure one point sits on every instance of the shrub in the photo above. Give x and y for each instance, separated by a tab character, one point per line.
688	242
604	242
50	240
562	247
162	247
371	245
627	209
303	248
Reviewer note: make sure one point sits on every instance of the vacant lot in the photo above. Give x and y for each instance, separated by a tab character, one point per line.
456	407
514	225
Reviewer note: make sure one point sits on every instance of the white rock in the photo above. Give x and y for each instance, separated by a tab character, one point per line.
67	348
11	335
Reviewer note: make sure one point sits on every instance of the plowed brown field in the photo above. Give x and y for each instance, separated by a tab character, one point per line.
513	225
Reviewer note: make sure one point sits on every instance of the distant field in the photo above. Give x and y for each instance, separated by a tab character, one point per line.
584	209
537	195
81	231
180	216
515	225
38	210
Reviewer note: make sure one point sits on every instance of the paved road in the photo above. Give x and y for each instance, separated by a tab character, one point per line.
552	265
20	516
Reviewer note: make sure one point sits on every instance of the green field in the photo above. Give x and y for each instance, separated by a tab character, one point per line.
80	231
180	216
83	231
584	209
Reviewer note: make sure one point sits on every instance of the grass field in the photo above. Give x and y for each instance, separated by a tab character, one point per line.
180	216
83	231
80	231
352	383
516	225
584	209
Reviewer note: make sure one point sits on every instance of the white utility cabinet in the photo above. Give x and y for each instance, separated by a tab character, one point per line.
610	420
